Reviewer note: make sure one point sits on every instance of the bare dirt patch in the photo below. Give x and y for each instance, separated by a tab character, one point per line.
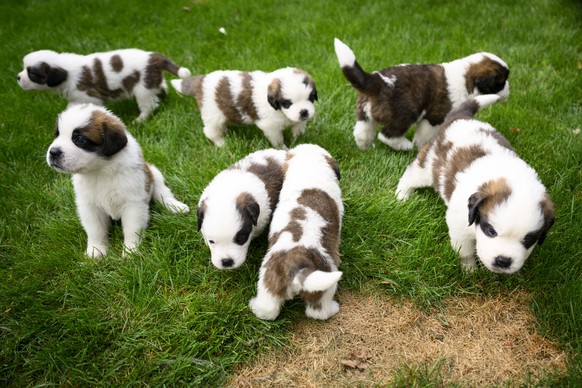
473	340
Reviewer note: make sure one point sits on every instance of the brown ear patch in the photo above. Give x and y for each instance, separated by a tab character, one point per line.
487	75
106	132
274	94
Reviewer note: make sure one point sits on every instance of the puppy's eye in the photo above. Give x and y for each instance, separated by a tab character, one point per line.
210	241
488	230
79	140
529	240
285	104
241	238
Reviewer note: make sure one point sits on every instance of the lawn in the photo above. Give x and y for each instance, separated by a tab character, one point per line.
165	315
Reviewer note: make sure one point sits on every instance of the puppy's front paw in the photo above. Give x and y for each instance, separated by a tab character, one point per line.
178	207
96	251
468	264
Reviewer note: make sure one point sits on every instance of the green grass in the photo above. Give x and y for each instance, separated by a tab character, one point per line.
166	316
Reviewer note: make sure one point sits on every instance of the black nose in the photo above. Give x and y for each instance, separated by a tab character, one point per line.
18	77
55	152
227	263
502	262
303	114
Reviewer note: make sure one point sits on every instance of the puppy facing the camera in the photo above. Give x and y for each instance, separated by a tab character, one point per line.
304	238
101	77
272	101
398	97
237	204
110	177
497	208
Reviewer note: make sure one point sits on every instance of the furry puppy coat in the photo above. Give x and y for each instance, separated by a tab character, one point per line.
497	208
237	204
272	101
110	177
101	77
304	238
398	97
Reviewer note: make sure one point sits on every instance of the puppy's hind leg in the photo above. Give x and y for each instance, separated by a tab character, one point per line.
147	101
162	193
415	176
364	132
320	305
265	305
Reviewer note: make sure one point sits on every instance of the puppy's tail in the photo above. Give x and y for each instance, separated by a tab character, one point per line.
190	86
360	79
476	104
162	193
313	280
171	67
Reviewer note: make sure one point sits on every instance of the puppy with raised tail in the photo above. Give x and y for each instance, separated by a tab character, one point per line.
497	208
237	204
304	238
101	77
398	97
110	177
272	101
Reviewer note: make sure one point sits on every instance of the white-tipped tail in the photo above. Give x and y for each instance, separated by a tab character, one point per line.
177	84
321	281
162	193
345	55
184	73
486	100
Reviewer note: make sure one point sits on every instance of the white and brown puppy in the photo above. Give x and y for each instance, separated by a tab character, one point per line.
304	238
272	101
398	97
237	204
497	208
101	77
110	177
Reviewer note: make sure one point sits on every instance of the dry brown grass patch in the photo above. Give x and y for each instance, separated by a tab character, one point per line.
473	340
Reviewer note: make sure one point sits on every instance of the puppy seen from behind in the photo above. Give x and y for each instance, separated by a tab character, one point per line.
304	238
110	177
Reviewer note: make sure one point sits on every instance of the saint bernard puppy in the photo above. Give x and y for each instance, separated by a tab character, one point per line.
304	238
497	207
110	177
398	97
237	204
271	101
101	77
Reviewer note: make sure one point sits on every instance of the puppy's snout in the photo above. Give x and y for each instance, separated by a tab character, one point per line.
227	263
55	152
304	114
503	262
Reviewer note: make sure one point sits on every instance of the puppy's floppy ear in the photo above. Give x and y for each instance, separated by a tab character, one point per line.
114	137
56	76
274	93
248	207
474	201
547	207
313	96
334	166
200	214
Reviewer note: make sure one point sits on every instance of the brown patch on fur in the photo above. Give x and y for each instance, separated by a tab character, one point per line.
149	182
501	140
244	101
322	203
422	155
333	164
282	266
307	80
116	63
472	341
105	131
94	83
487	75
441	150
153	73
225	101
130	81
274	90
459	161
547	207
492	194
272	176
192	86
293	227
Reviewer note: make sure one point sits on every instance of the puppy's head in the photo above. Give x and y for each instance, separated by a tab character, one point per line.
508	226
41	71
293	92
86	137
487	74
227	224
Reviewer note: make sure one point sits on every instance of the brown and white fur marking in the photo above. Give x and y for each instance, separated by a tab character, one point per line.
497	208
400	96
101	77
237	204
110	177
272	101
304	238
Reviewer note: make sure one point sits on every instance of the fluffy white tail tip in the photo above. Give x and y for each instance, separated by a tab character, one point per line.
321	281
345	55
184	73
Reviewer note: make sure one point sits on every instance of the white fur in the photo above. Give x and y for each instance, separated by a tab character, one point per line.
221	219
271	121
108	188
512	220
307	168
133	60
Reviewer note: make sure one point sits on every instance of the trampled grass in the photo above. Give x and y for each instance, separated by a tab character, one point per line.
165	315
